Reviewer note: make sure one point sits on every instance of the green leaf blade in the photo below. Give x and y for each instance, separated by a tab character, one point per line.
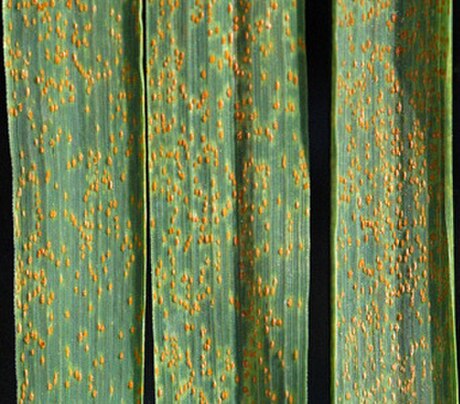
229	198
393	301
77	144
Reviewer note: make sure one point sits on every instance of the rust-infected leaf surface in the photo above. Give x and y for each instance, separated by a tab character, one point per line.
393	302
229	200
77	144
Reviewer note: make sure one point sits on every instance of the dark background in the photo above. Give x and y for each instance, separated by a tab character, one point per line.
318	23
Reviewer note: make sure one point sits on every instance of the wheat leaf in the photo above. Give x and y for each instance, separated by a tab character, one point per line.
77	144
229	200
393	301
